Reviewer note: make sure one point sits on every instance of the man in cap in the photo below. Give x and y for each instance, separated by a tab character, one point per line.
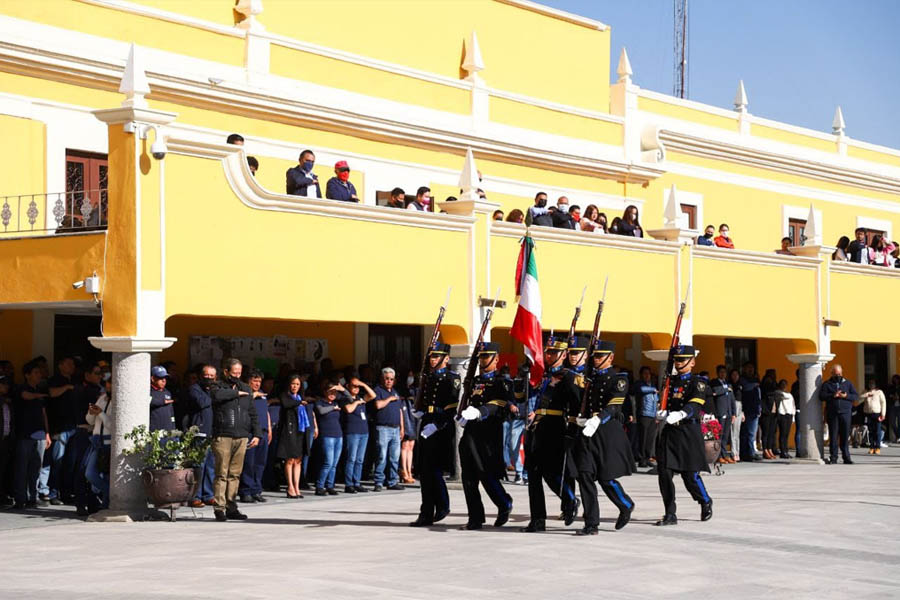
603	452
545	447
339	186
162	403
679	448
440	396
481	445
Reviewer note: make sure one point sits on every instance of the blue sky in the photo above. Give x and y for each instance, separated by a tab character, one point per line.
798	58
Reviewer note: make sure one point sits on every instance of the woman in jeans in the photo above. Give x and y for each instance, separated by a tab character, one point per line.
355	424
331	437
293	428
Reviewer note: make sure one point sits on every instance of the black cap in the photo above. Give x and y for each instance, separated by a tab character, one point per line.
489	348
682	352
440	348
579	343
604	347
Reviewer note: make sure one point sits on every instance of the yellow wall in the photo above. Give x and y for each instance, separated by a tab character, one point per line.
16	338
687	114
873	156
518	114
22	165
797	139
858	323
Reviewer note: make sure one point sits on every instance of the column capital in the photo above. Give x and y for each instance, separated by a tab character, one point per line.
468	208
663	355
813	251
130	114
810	358
131	343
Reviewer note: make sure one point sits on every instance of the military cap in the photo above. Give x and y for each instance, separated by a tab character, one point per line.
682	352
440	348
489	348
603	347
579	343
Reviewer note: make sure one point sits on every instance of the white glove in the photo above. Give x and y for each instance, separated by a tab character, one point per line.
580	421
429	430
460	420
418	414
661	415
675	416
471	413
591	426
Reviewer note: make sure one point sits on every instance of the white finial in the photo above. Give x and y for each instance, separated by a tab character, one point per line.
672	212
473	62
624	69
740	98
811	234
250	9
468	179
838	125
134	81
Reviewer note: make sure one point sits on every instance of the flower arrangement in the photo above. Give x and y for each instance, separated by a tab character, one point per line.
710	428
163	449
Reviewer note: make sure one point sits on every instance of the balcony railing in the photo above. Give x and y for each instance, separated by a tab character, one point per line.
70	212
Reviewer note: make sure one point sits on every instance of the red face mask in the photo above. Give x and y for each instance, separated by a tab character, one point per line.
344	175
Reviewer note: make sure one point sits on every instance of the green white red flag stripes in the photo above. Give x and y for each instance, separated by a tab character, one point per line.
526	326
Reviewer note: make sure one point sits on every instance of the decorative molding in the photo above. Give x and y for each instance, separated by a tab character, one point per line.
131	343
756	258
800	359
585	238
166	15
556	14
849	268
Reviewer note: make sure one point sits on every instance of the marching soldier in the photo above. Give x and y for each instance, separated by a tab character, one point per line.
545	445
577	353
603	452
679	448
481	445
439	399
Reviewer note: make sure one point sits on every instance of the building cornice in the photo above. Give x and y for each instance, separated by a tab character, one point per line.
556	14
756	258
584	238
849	268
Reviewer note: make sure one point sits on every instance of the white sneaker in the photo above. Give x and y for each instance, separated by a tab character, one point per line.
885	445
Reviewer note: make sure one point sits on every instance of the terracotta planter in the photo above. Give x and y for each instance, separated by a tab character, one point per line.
712	448
169	488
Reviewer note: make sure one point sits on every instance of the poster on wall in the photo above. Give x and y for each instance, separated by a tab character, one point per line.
266	354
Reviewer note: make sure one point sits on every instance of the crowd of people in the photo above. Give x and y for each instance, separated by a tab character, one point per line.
879	252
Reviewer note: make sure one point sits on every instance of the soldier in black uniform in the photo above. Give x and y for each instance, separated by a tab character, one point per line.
481	445
436	438
679	448
603	452
545	445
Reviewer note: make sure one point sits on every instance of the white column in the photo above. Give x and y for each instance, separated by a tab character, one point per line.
809	420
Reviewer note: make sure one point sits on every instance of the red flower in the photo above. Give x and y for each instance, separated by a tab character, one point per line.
710	428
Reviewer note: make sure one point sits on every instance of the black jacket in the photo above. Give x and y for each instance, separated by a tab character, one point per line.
298	182
233	415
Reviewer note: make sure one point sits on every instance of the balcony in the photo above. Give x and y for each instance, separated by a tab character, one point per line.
78	211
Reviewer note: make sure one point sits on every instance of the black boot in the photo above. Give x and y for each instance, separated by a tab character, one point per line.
706	511
235	515
588	530
440	514
421	522
503	516
624	517
534	525
668	520
569	517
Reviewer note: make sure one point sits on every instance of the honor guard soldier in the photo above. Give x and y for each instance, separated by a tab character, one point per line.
577	353
545	446
440	397
603	452
481	445
679	448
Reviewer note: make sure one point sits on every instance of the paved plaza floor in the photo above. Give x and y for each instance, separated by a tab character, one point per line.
780	530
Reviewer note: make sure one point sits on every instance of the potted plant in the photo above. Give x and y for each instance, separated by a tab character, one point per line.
712	437
172	460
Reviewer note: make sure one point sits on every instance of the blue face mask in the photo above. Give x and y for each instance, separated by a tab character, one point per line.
308	165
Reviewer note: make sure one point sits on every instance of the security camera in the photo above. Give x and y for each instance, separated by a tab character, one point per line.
78	284
158	149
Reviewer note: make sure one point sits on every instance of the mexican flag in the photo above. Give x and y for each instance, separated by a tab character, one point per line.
526	326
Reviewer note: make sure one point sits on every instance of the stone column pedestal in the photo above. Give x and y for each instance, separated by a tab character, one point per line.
809	418
130	407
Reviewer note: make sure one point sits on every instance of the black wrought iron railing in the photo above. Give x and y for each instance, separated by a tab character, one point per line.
60	212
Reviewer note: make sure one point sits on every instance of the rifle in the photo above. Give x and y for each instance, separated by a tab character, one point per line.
575	318
425	366
664	398
589	361
469	381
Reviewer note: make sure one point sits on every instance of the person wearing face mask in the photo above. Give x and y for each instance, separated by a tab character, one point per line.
707	238
539	214
199	411
722	240
410	430
562	219
839	396
294	428
301	177
422	201
339	186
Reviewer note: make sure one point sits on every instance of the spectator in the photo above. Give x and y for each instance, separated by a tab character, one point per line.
785	247
614	226
356	432
875	407
62	416
722	240
515	216
630	225
734	378
253	165
7	438
593	220
539	214
397	199
423	199
32	436
389	428
895	254
200	413
768	419
9	371
707	238
251	486
497	216
858	250
647	398
839	395
410	429
294	426
751	398
880	252
786	408
840	253
575	213
86	394
234	421
162	408
236	139
331	438
893	409
514	425
339	186
94	468
723	398
562	219
301	177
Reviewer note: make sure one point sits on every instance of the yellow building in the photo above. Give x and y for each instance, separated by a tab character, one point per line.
189	245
